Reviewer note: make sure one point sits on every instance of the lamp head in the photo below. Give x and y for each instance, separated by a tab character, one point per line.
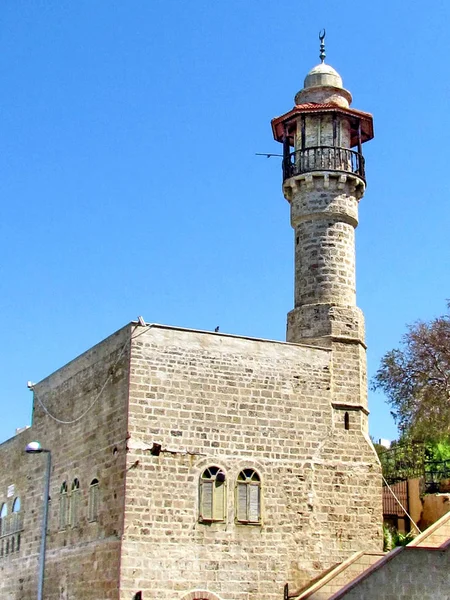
33	448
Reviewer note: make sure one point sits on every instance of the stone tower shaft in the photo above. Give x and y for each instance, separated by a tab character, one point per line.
323	181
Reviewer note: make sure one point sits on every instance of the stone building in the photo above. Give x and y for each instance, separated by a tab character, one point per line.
199	465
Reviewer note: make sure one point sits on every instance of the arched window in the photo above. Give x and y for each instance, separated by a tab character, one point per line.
16	522
74	503
3	515
212	495
248	497
93	500
63	506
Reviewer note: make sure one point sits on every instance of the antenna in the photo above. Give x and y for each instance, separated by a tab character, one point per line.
267	155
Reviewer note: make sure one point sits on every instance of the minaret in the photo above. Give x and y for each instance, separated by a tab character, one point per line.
323	180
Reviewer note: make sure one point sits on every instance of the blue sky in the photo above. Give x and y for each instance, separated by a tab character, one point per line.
130	186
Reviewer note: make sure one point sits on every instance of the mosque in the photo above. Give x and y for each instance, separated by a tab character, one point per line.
198	465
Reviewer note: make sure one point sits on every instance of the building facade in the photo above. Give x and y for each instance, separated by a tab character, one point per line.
200	465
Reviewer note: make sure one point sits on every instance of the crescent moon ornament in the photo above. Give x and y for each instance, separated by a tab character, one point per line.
322	45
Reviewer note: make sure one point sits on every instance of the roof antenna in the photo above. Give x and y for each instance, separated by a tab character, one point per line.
322	45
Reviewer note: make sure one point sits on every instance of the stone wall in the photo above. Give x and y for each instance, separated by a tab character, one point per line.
210	399
83	559
408	573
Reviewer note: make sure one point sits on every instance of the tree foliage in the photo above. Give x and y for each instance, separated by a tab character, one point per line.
416	380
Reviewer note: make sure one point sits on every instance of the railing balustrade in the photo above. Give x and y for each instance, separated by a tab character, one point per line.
323	158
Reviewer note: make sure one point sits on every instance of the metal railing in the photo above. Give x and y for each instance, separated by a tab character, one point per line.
436	472
411	460
324	158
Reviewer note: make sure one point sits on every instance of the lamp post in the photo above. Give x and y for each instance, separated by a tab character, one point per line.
35	448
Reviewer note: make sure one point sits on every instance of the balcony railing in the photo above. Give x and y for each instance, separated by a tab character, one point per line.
323	158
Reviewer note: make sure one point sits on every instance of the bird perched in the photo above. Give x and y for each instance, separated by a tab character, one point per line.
216	329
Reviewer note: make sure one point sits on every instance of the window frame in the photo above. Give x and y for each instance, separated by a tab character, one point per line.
74	503
212	478
93	500
248	484
63	506
3	517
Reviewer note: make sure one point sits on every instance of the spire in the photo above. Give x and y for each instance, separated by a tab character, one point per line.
322	45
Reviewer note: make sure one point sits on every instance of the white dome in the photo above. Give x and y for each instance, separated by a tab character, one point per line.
323	75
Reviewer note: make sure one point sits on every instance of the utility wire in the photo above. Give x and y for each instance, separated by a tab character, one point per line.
403	508
71	422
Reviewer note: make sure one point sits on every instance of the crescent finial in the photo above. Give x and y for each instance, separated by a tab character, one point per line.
322	45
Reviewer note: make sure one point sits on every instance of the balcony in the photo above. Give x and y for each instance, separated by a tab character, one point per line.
324	158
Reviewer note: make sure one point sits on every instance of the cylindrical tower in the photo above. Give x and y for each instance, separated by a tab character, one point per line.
323	180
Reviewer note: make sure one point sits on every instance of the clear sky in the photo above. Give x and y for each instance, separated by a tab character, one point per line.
130	186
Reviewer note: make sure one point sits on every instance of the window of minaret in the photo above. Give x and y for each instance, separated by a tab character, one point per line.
347	421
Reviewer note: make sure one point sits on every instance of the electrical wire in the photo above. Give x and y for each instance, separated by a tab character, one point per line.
71	422
403	508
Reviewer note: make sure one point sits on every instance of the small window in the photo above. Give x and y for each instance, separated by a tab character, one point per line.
63	506
93	501
248	497
74	502
212	495
347	421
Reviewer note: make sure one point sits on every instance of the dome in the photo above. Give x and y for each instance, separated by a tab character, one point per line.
323	75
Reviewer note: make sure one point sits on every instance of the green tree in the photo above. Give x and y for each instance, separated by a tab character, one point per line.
416	380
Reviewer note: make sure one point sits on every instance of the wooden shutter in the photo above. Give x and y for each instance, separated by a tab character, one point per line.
242	502
74	508
93	502
253	503
218	500
63	510
206	500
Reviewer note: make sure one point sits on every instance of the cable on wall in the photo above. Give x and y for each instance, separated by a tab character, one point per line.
71	422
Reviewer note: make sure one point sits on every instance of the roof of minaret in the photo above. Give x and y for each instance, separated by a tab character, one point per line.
323	75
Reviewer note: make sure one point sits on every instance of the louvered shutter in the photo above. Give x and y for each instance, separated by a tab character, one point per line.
242	502
253	503
63	510
93	502
206	511
218	501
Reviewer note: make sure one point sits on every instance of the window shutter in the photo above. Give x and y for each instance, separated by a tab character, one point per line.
93	502
218	501
62	510
206	500
242	502
74	508
253	503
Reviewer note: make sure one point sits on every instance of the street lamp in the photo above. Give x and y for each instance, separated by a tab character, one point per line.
35	448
